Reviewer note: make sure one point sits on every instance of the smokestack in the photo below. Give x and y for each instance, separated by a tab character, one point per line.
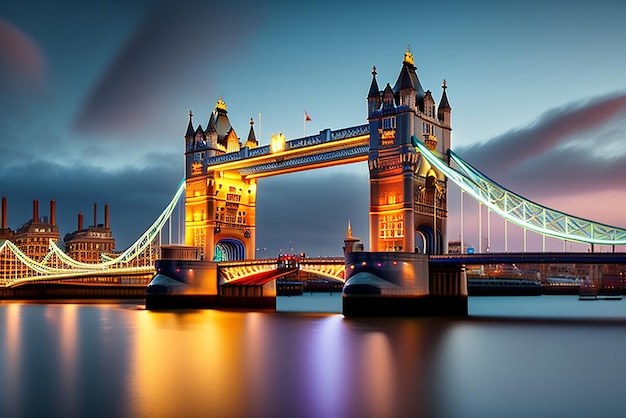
80	221
4	212
53	212
35	210
106	216
95	215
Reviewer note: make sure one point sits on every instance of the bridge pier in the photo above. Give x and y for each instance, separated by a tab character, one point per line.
402	284
187	282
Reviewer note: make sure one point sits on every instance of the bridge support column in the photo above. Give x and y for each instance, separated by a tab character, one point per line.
183	280
402	284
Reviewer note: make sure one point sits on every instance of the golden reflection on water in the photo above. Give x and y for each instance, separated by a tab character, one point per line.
378	369
12	352
65	317
185	364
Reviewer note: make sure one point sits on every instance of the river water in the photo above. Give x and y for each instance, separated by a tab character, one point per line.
540	356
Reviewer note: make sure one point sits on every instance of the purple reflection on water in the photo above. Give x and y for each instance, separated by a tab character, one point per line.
513	357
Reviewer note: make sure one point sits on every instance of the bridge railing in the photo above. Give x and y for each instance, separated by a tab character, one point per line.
324	136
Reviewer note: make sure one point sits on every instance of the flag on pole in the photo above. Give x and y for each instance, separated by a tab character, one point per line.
307	118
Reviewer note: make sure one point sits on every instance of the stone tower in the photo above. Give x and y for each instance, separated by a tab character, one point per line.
407	195
220	206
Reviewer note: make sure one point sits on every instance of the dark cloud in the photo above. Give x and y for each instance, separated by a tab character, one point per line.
135	196
311	209
573	149
173	53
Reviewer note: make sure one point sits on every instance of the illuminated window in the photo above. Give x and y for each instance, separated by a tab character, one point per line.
389	123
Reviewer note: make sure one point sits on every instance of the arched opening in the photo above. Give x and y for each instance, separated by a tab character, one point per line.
229	249
424	237
420	242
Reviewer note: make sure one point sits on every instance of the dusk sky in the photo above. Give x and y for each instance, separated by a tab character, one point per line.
94	102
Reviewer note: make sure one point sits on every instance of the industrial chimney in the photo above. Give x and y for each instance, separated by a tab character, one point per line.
106	216
80	221
53	212
95	215
4	212
35	210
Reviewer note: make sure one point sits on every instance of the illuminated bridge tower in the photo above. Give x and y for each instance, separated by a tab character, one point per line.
407	196
220	206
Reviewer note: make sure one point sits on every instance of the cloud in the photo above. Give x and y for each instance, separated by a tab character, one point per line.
572	149
135	196
22	64
172	55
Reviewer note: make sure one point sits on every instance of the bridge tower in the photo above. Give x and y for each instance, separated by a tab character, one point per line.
220	206
407	195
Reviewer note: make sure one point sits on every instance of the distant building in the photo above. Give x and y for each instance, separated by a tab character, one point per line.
33	238
454	247
88	244
351	244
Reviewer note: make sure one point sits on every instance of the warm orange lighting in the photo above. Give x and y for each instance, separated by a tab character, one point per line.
277	143
364	263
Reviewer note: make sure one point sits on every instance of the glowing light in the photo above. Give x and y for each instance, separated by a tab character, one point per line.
277	143
537	218
364	263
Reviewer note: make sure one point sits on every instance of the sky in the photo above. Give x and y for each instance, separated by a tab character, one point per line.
94	102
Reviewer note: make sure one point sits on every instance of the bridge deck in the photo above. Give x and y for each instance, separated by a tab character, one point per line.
531	258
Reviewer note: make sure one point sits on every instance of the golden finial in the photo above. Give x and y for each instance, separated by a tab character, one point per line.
349	229
408	57
220	104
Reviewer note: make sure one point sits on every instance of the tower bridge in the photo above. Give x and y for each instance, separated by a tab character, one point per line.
407	145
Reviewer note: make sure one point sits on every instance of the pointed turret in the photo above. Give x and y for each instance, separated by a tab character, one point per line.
190	131
388	99
189	135
443	112
429	104
232	141
199	138
222	123
408	84
210	127
251	142
373	97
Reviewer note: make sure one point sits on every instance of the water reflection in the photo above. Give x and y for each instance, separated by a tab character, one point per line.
116	360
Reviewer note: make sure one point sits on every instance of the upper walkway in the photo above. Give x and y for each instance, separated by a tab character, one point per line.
328	148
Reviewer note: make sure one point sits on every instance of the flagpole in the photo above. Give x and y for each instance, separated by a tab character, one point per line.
260	137
304	125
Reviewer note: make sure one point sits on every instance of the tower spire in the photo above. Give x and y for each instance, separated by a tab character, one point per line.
190	131
443	111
